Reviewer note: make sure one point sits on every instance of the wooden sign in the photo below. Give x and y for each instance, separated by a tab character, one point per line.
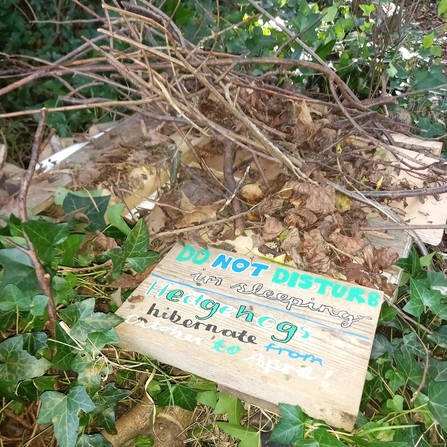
266	331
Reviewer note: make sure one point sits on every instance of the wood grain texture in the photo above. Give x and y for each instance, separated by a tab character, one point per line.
262	329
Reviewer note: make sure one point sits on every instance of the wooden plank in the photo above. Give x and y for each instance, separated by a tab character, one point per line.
269	331
432	211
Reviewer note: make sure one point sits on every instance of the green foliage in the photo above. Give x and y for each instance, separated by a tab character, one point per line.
86	401
28	42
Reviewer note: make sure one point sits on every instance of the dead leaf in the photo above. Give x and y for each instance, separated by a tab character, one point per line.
269	205
87	176
368	256
319	200
252	193
292	240
382	259
106	243
155	138
155	220
347	244
127	282
272	229
355	272
315	256
201	214
185	204
304	116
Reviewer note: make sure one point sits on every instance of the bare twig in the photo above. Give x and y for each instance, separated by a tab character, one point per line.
43	278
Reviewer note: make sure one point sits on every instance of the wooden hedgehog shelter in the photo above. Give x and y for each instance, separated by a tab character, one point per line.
234	165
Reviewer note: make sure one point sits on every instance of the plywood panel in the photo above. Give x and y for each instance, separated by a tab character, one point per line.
270	332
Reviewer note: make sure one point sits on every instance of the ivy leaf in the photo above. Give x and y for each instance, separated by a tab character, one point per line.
407	366
179	395
64	349
415	305
442	8
90	370
17	364
62	411
143	441
83	320
437	370
438	281
97	340
96	440
135	250
396	403
428	40
437	394
306	443
140	263
395	380
325	439
45	236
115	218
291	426
208	398
31	389
248	436
138	240
118	258
380	346
34	342
231	406
67	249
38	305
13	299
439	336
106	401
93	207
424	78
18	270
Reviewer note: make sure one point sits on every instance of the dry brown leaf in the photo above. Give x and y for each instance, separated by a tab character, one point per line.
185	204
155	220
314	247
87	176
252	193
269	205
355	272
347	244
319	200
201	214
126	282
106	243
292	240
385	258
155	138
368	256
304	116
272	229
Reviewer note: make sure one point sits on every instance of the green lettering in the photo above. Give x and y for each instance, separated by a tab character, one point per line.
356	293
210	305
186	254
281	276
174	295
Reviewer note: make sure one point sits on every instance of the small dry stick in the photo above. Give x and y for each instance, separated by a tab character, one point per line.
199	227
43	278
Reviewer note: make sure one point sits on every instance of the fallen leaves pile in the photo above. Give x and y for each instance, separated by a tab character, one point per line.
281	152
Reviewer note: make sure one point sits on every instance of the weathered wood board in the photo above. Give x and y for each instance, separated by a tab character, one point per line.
269	331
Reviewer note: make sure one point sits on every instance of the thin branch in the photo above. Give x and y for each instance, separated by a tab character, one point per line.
43	278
